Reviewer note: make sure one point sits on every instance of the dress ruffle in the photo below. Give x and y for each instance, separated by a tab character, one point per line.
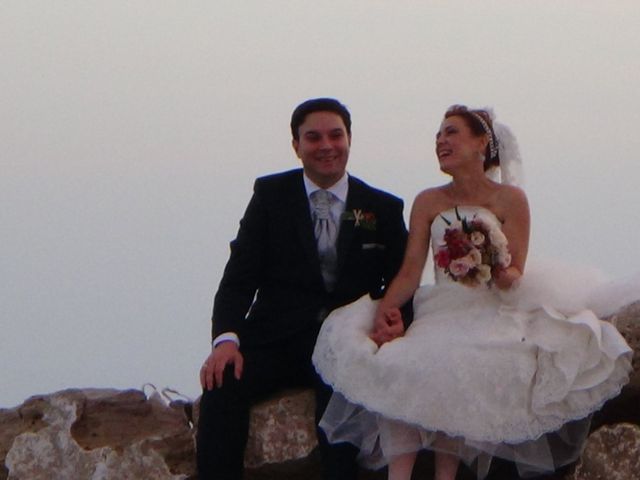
474	375
476	357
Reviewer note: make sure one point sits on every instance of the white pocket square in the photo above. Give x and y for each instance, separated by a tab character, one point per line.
373	246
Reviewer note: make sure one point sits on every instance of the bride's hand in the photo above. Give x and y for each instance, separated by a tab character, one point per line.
507	278
387	326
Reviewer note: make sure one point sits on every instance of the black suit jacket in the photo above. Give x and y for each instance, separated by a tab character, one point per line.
272	286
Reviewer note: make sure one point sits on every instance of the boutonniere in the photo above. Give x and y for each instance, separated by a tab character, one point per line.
364	220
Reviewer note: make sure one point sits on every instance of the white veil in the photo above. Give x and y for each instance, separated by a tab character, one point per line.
510	170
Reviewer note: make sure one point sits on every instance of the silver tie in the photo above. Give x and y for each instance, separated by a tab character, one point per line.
326	232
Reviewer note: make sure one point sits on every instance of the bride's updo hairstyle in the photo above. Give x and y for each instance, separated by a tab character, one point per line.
480	123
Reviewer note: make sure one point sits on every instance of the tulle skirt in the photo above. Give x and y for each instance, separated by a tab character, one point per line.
479	373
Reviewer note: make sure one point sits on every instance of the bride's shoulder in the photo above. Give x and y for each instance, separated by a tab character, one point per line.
511	194
429	203
432	195
431	199
511	202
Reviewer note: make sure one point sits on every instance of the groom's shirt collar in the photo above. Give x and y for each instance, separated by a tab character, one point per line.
340	189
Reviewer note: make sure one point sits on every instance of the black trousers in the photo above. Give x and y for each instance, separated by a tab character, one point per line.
223	423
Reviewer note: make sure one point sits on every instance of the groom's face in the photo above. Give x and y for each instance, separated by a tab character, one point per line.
323	147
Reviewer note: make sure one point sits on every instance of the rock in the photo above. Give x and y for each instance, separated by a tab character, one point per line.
111	434
101	434
624	407
26	418
611	453
627	321
281	428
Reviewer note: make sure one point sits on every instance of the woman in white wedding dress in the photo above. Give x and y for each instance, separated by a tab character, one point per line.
496	362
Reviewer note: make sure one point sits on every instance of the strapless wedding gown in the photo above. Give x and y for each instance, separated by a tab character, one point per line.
480	372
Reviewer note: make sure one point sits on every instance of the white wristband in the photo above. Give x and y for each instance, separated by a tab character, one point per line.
226	337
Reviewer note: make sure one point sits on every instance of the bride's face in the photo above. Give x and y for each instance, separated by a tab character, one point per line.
457	146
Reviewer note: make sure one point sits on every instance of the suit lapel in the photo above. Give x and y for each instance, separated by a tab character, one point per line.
355	199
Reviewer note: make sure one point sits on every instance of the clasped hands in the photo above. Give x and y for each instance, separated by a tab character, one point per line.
387	326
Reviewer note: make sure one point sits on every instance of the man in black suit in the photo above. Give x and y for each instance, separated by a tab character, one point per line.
300	252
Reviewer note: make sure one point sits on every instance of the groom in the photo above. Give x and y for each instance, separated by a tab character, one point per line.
311	240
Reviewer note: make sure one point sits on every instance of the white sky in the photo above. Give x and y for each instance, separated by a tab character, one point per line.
131	133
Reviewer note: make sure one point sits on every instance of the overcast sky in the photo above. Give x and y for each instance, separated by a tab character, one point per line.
131	134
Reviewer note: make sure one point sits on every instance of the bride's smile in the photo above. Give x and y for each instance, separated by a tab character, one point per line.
456	146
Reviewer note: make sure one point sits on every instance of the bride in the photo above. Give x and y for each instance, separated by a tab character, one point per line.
496	362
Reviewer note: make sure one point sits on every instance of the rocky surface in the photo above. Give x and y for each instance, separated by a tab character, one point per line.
105	434
624	408
290	429
99	434
627	321
611	453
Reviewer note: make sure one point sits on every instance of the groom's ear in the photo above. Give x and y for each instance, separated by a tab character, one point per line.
295	144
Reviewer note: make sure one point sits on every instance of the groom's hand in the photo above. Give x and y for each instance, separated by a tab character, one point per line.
387	326
212	371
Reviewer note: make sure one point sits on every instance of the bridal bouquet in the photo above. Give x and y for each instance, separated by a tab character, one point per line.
472	251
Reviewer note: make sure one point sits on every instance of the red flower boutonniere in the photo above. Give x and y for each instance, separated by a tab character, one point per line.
364	220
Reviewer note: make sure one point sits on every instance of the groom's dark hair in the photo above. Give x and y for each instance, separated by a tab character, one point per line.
318	105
